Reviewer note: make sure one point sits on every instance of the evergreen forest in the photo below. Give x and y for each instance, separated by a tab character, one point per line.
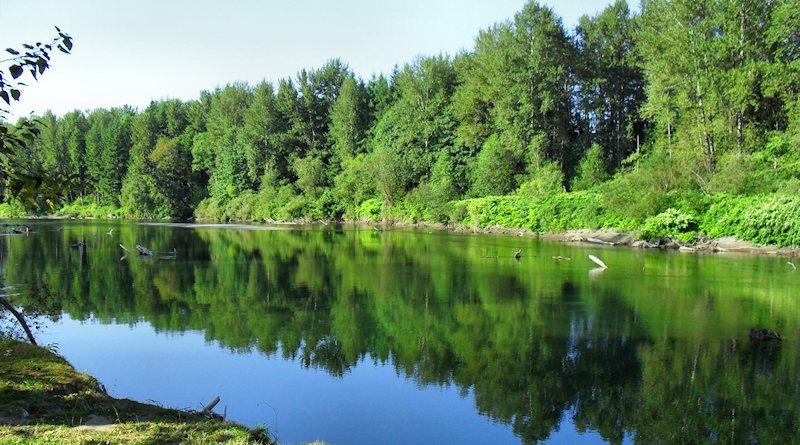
682	119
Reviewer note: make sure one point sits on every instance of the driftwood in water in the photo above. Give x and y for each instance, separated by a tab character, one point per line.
763	334
170	255
207	411
144	250
20	319
561	258
597	260
518	254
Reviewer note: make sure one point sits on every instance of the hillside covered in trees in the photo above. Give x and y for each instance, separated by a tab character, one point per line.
682	119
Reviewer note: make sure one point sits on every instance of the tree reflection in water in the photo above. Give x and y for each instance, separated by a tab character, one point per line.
658	353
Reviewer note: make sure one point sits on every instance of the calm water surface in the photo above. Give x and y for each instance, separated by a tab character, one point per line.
357	336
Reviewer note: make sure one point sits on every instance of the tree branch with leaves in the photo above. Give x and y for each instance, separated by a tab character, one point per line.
22	182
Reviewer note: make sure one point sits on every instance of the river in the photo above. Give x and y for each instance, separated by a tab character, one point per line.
354	335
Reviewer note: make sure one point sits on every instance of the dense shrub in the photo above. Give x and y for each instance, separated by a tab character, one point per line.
369	210
671	222
552	213
565	211
85	208
775	221
723	217
11	209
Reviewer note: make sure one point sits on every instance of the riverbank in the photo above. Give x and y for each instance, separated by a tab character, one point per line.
44	400
624	238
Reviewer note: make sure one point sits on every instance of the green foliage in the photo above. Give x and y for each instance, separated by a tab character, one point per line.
352	186
671	222
544	180
12	209
775	221
591	170
724	216
88	207
553	213
493	172
369	210
652	186
494	210
612	87
567	211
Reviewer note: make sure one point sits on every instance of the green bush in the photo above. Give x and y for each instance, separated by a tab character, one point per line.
426	203
369	209
775	221
724	215
671	222
12	209
240	208
87	207
208	209
591	170
566	211
551	213
506	211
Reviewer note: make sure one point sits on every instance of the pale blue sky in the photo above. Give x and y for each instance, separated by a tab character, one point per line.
132	52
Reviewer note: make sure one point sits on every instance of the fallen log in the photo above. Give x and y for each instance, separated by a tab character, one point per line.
599	241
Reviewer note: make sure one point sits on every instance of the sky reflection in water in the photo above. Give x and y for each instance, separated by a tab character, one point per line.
371	404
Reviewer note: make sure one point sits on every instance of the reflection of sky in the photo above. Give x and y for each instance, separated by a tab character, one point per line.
368	405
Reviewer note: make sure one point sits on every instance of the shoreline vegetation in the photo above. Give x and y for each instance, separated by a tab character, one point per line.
766	224
44	400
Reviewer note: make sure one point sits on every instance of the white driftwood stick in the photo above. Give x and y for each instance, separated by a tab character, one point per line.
125	248
597	260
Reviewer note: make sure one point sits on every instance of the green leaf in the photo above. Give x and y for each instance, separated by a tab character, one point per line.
15	70
42	65
4	95
68	43
12	51
62	49
15	94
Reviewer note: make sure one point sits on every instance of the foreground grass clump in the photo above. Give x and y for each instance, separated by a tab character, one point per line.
44	401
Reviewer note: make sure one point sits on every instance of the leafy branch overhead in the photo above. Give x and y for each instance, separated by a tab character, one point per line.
35	59
22	181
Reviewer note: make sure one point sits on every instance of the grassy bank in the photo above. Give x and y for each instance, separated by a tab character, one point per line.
44	401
